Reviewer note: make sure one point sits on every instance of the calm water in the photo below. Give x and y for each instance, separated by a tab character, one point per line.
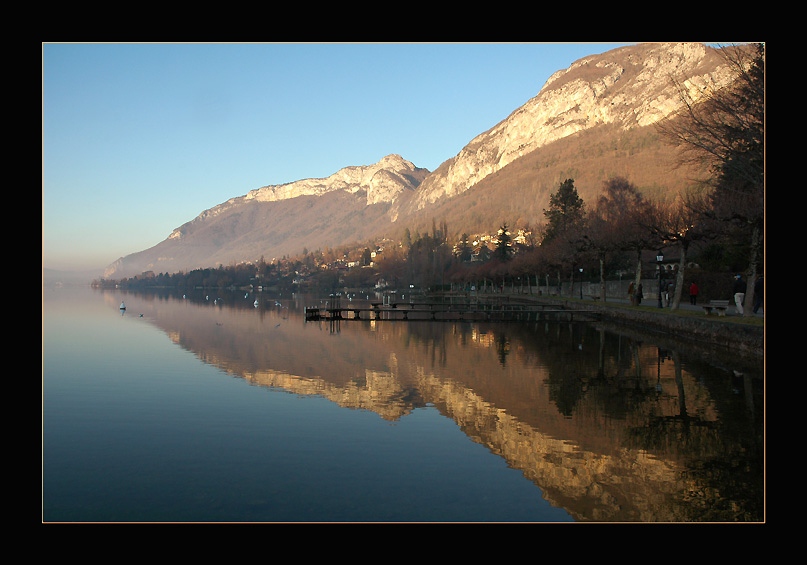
209	409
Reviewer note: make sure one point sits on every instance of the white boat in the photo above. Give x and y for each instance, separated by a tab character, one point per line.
122	306
256	304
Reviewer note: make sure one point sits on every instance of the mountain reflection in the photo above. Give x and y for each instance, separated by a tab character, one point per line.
611	425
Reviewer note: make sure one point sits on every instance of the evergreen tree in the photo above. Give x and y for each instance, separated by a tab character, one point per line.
566	211
463	249
504	249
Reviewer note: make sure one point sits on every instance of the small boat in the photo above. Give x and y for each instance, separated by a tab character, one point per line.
256	303
122	306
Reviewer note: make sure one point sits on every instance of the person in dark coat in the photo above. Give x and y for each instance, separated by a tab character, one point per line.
639	294
758	294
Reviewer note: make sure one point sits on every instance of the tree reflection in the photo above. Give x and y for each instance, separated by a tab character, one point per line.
502	348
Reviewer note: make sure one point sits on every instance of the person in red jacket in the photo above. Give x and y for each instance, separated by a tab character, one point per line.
693	293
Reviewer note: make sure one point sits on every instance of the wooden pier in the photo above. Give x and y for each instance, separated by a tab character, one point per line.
448	311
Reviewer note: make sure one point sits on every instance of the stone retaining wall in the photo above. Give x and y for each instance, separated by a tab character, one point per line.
733	339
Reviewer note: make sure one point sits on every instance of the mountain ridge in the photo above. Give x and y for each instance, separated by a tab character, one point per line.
608	101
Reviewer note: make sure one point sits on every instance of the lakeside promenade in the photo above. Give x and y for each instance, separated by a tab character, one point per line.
653	302
733	334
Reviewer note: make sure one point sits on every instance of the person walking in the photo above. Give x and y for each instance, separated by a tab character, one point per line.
668	295
739	292
639	295
631	293
693	293
758	294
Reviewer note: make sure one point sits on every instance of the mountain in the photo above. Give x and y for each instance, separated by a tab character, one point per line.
274	221
589	122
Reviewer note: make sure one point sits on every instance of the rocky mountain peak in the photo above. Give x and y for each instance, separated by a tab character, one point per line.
629	86
381	181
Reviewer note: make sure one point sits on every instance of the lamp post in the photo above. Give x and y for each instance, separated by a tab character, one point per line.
659	259
581	283
661	355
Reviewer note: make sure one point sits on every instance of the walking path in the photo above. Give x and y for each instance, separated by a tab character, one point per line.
653	301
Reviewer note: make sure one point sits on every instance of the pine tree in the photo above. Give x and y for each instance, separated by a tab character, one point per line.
566	210
504	249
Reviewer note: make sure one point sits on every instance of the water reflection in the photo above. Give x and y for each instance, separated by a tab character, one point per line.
611	424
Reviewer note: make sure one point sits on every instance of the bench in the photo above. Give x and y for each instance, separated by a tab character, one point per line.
719	305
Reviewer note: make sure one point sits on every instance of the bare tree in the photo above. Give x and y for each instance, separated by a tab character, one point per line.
727	133
613	225
676	222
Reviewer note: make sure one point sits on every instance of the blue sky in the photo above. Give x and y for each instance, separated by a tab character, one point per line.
138	139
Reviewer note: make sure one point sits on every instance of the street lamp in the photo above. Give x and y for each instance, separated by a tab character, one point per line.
581	283
661	355
659	259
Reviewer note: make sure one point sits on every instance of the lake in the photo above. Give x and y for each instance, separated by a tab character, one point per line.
206	408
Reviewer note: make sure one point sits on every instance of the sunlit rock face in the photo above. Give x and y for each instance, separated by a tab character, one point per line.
382	182
631	86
